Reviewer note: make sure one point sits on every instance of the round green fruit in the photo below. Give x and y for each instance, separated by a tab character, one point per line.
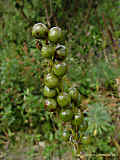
74	94
86	140
63	99
46	127
39	30
55	34
66	115
47	51
65	135
51	80
78	119
48	92
61	52
50	104
59	68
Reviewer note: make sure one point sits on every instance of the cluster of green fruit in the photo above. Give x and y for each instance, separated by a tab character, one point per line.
56	99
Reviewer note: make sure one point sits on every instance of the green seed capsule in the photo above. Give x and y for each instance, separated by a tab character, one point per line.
78	119
63	99
74	94
66	115
59	68
47	51
46	127
65	135
49	92
39	30
55	34
50	104
51	80
61	52
86	140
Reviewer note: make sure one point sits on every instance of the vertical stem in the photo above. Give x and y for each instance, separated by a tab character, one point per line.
116	145
46	13
110	36
103	36
51	9
88	11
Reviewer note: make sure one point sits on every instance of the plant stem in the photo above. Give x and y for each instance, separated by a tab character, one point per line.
46	13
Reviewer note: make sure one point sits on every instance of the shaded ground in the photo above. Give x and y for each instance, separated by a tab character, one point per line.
28	152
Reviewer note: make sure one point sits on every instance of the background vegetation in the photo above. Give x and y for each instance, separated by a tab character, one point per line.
92	35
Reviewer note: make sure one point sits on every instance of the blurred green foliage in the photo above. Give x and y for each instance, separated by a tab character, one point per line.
92	35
